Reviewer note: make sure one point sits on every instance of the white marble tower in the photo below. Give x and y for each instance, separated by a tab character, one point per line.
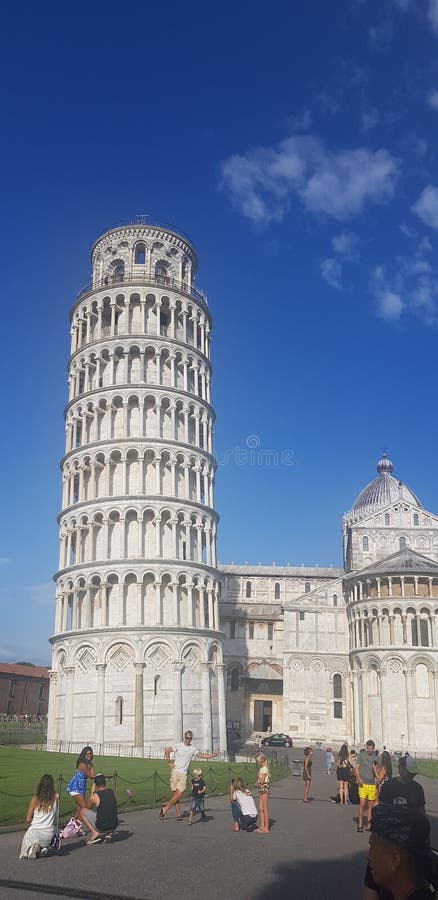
137	651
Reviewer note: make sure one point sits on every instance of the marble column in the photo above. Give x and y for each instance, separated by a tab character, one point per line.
206	705
409	708
177	668
51	717
100	705
139	715
356	708
220	671
68	708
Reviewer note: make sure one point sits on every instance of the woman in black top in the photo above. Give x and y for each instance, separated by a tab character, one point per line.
343	773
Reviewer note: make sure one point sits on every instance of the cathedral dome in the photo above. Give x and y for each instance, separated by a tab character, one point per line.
385	489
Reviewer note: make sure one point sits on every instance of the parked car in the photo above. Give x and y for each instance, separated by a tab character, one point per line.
277	740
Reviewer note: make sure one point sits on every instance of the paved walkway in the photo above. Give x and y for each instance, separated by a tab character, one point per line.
313	850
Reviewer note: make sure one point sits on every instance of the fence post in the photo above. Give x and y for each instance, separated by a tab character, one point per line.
115	776
155	776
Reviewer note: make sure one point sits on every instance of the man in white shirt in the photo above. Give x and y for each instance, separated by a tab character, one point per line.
184	754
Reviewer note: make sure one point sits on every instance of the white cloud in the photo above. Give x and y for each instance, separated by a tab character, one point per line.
432	99
426	206
433	14
262	182
412	287
331	271
389	306
345	244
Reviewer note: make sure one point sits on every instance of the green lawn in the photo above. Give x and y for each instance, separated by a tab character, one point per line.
148	779
17	733
428	767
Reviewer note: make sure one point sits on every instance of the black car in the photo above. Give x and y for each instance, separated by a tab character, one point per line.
277	740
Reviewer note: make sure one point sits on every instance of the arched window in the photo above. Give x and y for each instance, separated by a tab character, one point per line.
157	685
277	590
416	519
337	687
365	543
248	590
402	543
119	711
307	587
140	254
118	272
335	599
235	679
161	272
387	519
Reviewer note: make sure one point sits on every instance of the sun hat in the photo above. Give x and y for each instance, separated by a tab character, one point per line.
403	826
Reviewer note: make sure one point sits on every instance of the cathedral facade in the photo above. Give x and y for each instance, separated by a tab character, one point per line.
324	654
151	635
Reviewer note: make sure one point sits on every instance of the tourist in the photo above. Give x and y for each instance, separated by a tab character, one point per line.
401	791
243	808
307	772
104	820
343	773
383	770
199	788
329	760
263	779
77	786
401	860
366	779
41	816
184	753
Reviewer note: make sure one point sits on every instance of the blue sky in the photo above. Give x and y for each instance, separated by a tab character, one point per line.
297	146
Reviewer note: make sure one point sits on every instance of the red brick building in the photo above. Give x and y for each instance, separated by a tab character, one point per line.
24	690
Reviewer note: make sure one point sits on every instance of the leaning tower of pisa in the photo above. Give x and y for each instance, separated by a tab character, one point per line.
137	648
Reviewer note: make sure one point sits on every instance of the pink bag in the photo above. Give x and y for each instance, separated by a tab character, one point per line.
71	829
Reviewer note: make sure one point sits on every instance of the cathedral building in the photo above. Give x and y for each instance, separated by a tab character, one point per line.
151	635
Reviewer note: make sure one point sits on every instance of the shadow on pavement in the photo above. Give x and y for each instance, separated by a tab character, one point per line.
325	879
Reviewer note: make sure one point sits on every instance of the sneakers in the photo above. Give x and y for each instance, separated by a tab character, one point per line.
34	851
44	851
108	839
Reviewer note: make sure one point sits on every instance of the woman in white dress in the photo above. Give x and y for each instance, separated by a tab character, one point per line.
41	817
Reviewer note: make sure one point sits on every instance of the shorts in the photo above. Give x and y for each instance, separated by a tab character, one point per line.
342	773
368	792
75	794
306	776
197	803
178	781
264	789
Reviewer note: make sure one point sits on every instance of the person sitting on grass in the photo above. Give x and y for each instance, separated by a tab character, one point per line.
104	821
243	808
199	788
41	816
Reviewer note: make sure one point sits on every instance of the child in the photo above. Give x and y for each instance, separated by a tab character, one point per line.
329	760
243	808
264	791
199	788
307	772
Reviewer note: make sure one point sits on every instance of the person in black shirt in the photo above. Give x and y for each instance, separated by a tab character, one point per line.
402	791
400	855
106	821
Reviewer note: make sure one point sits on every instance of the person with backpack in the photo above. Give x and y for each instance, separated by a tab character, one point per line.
41	817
